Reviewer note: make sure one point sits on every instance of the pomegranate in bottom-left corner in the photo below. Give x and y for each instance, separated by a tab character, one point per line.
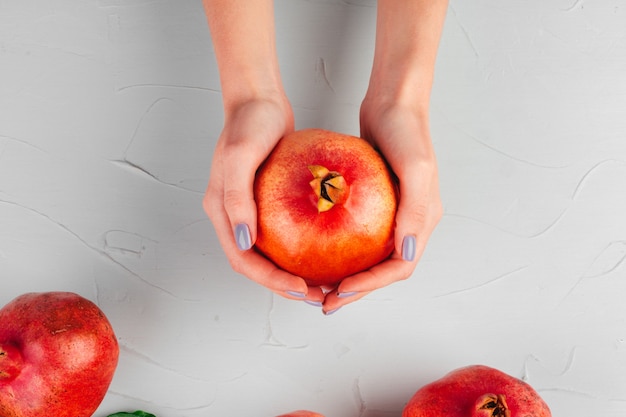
58	354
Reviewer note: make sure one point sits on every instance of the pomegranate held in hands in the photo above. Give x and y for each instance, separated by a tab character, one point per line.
58	355
476	391
326	206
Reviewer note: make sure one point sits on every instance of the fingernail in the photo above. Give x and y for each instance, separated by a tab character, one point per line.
408	248
328	313
346	294
296	294
314	303
242	236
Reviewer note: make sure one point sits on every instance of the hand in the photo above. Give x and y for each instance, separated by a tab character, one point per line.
402	135
251	131
394	118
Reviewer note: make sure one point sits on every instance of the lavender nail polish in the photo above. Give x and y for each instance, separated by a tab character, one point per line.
346	294
408	248
328	313
296	294
313	303
242	236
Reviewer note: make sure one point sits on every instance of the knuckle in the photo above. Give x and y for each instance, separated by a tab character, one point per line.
405	275
427	210
417	213
405	272
236	266
422	166
211	204
234	200
236	145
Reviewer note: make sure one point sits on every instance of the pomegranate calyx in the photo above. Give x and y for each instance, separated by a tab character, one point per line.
330	187
491	405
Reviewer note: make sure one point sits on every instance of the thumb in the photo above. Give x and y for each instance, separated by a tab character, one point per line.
419	211
410	221
239	203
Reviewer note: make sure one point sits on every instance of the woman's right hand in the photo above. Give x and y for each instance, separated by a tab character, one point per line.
251	130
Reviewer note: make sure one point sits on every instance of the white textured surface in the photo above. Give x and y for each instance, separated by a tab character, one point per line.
109	111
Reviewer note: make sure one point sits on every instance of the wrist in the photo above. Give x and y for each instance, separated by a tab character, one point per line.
262	111
394	90
407	38
387	91
243	37
239	96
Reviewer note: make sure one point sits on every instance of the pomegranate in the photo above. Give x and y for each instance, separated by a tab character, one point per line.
326	206
58	354
476	391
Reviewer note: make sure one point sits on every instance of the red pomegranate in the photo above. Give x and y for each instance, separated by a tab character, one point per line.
476	391
58	354
326	206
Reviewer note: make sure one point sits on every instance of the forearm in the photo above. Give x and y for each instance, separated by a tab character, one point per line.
243	38
407	39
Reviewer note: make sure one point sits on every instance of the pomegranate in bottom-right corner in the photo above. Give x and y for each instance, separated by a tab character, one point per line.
476	391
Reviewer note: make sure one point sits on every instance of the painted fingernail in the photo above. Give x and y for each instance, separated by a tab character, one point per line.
408	248
346	294
296	294
314	303
328	313
242	236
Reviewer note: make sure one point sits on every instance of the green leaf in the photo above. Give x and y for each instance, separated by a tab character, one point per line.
137	413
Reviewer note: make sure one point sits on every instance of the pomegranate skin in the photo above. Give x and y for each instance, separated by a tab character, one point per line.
324	247
58	354
460	393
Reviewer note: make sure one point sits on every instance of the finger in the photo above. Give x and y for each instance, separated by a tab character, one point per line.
398	267
334	301
359	285
258	268
313	296
385	273
213	196
419	211
250	263
238	195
